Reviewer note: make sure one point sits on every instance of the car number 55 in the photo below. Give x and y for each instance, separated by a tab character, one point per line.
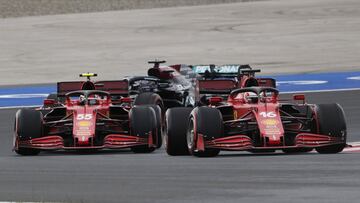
84	117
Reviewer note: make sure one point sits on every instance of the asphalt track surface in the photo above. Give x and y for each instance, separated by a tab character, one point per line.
231	177
278	36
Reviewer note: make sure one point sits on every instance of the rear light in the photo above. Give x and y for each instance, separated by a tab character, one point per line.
49	102
300	97
215	100
126	100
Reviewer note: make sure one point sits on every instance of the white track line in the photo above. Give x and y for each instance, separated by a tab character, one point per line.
17	107
354	147
315	91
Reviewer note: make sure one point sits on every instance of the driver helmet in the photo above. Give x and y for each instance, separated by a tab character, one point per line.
82	99
251	97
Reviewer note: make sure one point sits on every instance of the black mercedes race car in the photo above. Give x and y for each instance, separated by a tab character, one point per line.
176	83
175	89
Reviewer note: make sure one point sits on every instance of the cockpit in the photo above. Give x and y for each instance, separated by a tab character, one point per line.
91	97
254	95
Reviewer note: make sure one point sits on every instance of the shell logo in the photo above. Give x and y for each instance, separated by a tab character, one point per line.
270	122
84	123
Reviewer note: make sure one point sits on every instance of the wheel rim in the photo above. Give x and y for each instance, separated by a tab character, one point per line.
190	135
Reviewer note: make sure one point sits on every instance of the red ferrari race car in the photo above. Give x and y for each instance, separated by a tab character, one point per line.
253	119
88	119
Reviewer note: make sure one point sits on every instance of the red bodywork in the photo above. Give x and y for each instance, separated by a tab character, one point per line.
89	125
254	119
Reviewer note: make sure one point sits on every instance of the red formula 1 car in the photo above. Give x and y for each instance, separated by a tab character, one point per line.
253	119
87	119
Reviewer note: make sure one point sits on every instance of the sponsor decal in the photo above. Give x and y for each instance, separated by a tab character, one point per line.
83	133
272	131
84	123
228	68
270	122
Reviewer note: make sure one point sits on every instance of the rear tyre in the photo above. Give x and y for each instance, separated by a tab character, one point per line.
208	122
142	128
53	96
175	128
28	125
149	98
58	100
331	121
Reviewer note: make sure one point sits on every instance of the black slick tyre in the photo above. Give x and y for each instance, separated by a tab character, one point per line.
28	125
208	122
155	101
58	100
53	96
331	122
159	124
176	128
149	98
142	122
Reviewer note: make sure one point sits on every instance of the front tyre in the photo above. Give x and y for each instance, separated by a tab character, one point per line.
331	122
159	125
209	123
142	124
175	128
28	125
155	101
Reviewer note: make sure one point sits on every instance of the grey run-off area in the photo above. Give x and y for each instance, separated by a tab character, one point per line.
279	36
17	8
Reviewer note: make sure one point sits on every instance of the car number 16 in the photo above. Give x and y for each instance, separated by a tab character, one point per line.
268	114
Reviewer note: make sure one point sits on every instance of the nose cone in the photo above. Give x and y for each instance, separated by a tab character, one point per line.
82	140
84	129
273	131
274	140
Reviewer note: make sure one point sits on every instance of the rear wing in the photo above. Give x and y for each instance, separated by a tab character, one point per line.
267	82
216	86
226	86
115	87
65	87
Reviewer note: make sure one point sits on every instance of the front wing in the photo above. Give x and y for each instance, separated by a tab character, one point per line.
111	141
243	142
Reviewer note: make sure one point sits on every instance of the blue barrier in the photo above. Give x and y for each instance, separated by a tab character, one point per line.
34	95
318	81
